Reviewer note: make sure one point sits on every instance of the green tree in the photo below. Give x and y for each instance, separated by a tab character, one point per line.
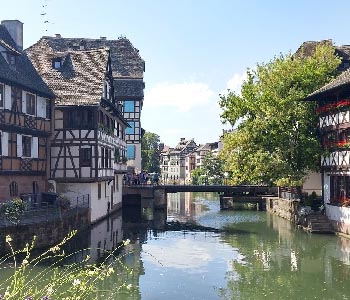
211	171
150	152
275	140
197	176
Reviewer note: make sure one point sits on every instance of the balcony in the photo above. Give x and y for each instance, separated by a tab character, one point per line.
336	159
334	119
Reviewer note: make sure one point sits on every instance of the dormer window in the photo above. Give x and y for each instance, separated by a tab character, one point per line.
12	59
57	63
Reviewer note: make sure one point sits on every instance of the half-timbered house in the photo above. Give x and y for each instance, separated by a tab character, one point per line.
334	125
176	168
25	118
127	71
88	145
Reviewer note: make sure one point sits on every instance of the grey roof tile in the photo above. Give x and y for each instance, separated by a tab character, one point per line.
23	74
125	58
80	79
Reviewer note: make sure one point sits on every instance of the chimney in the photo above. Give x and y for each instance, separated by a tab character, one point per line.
103	38
57	35
182	139
15	29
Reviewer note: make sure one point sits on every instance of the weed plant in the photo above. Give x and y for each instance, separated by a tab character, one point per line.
29	280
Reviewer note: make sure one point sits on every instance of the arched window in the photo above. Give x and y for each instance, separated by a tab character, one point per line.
13	189
35	187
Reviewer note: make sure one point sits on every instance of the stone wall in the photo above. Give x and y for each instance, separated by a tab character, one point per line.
48	233
282	207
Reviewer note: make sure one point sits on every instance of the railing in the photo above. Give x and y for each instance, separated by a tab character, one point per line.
46	211
334	119
336	158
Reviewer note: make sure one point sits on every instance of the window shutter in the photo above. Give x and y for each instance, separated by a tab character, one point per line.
24	106
7	97
4	143
35	149
19	145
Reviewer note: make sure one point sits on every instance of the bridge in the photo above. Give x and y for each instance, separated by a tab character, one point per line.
133	194
251	190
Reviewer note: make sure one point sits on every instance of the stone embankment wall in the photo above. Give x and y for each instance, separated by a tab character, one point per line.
284	208
48	233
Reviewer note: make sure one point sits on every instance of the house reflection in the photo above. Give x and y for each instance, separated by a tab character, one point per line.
183	207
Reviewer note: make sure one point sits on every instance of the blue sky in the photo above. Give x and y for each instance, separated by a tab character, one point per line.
194	49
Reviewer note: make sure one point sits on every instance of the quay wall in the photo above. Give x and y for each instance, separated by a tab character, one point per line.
48	233
284	208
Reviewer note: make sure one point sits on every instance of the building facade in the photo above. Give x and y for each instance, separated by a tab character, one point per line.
177	159
26	105
127	68
334	125
88	146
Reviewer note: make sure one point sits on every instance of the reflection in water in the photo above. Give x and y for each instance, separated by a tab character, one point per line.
261	256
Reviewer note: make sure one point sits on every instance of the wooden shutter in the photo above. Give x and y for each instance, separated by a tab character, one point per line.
35	147
7	97
4	143
19	145
24	106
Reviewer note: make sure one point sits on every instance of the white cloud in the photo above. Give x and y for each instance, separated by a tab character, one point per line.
234	83
182	96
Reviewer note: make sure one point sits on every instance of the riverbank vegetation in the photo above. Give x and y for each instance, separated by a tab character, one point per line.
275	139
56	275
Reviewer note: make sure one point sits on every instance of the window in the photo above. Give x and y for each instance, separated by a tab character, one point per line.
130	151
57	63
131	129
30	104
102	157
35	187
48	109
1	95
106	158
11	59
78	118
85	157
26	146
129	106
99	190
13	189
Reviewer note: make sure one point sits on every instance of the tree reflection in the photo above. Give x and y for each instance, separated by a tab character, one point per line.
281	263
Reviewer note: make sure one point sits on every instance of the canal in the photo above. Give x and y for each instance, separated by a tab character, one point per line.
219	255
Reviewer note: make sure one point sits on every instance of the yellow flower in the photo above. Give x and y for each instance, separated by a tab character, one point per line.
8	239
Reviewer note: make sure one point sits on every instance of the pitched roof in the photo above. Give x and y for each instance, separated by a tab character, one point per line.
125	58
340	81
80	79
23	73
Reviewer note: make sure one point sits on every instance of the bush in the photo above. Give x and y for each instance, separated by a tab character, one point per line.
13	209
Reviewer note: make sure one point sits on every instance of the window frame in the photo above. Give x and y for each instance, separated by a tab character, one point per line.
85	157
31	108
131	129
99	191
13	189
131	108
129	156
27	147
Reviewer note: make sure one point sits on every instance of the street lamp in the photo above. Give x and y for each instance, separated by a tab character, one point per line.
225	175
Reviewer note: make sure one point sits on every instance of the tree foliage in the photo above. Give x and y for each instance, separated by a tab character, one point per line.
211	171
275	140
150	152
